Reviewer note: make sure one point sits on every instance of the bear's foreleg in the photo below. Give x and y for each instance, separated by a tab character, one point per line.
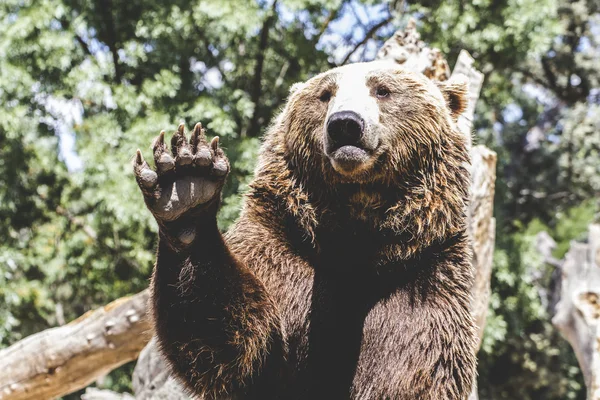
214	321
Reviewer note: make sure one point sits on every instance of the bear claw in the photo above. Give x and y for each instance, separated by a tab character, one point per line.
181	180
180	148
214	143
139	159
146	177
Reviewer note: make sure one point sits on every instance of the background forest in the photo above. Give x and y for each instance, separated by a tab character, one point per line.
83	82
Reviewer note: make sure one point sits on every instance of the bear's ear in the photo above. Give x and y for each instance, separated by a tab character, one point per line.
455	93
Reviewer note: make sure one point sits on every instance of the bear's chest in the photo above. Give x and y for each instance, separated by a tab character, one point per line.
355	247
351	324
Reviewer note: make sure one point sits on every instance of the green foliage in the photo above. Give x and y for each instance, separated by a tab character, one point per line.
573	225
111	75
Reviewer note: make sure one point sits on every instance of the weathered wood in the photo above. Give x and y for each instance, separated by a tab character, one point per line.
481	223
464	67
406	47
61	360
151	377
482	230
99	394
577	313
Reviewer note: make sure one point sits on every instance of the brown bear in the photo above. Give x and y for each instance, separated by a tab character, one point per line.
347	275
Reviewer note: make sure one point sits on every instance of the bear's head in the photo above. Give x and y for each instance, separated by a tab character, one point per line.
382	139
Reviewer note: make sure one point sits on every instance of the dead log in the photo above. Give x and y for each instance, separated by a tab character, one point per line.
62	360
577	312
151	377
99	394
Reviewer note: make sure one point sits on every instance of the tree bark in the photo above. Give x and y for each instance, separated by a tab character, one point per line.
61	360
482	232
152	379
577	312
464	67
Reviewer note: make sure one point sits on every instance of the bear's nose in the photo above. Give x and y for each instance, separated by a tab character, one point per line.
345	128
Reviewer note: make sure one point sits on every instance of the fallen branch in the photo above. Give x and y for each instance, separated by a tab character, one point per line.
62	360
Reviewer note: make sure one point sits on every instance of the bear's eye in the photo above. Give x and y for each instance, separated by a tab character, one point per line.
382	92
325	96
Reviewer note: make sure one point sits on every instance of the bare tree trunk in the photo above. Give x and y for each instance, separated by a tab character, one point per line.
577	313
152	378
482	231
61	360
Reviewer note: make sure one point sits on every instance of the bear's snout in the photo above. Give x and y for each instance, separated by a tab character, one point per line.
345	128
347	143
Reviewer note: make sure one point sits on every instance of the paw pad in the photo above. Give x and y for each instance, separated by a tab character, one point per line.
189	175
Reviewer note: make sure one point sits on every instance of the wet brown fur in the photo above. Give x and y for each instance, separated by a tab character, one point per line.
331	286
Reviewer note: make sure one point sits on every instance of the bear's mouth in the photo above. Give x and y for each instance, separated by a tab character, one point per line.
349	158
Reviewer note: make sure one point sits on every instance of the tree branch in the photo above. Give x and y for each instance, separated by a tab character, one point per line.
533	77
368	36
256	93
89	231
330	18
84	46
107	14
213	60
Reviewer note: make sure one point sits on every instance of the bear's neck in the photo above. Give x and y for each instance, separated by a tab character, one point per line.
402	218
394	221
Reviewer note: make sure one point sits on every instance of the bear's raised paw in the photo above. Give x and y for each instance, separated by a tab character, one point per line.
187	179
